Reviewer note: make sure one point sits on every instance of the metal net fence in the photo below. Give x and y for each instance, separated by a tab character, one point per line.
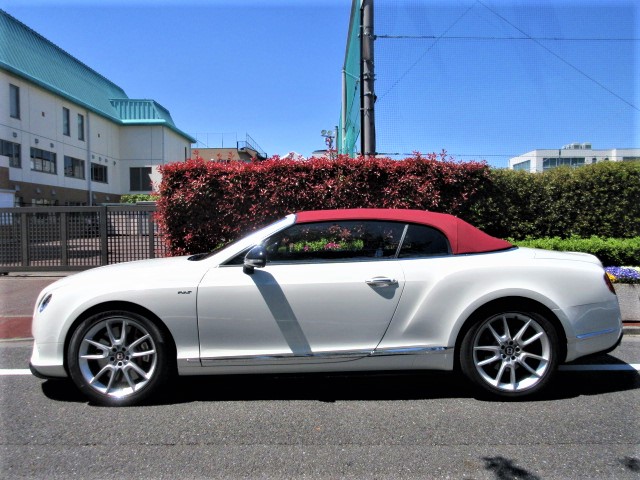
491	80
77	238
349	130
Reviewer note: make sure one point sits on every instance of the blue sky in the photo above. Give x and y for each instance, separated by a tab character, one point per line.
272	69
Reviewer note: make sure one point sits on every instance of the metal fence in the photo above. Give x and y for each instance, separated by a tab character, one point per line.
77	238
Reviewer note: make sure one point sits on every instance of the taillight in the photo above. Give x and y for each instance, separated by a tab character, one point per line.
607	280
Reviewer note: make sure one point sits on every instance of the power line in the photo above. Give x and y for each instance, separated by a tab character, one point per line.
426	51
525	36
566	62
482	37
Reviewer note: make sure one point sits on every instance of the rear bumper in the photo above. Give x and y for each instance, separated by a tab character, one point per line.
603	341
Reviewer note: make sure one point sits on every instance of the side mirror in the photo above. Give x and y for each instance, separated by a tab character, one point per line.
255	258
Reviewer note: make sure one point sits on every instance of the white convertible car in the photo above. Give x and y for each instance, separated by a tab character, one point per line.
327	291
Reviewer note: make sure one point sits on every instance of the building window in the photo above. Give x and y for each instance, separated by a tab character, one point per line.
630	159
526	166
73	167
11	150
43	161
80	127
14	101
66	124
549	163
99	173
140	179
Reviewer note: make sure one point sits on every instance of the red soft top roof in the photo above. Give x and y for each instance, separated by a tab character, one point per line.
463	237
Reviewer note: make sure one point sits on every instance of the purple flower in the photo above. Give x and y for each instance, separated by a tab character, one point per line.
623	274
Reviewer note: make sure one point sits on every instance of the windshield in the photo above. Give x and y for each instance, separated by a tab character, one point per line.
233	248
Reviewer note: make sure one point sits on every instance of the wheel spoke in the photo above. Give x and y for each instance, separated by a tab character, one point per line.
96	356
514	383
102	347
507	334
503	367
521	332
114	373
495	334
138	342
129	380
123	333
138	370
522	363
142	354
535	357
489	360
532	339
104	370
487	348
112	337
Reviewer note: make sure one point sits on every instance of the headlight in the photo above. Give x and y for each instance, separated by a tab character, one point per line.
45	301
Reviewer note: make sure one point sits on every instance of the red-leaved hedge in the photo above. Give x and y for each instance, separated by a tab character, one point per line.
205	204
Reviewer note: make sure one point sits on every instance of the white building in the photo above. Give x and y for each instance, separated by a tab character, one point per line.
572	155
68	135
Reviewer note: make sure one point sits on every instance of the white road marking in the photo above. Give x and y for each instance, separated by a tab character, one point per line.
617	367
14	371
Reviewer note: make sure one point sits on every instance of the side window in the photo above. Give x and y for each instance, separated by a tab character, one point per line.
335	241
421	241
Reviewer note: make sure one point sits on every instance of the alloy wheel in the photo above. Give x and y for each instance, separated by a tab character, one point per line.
512	352
117	357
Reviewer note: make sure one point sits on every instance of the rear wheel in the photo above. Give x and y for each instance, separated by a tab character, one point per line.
510	354
118	358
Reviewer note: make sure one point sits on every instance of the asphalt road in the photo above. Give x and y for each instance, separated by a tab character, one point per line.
390	426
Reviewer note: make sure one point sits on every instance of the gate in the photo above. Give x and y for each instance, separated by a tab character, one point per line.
77	238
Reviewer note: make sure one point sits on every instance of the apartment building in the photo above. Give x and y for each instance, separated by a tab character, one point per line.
571	155
70	136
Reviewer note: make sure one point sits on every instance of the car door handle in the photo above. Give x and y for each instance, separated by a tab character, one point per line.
381	282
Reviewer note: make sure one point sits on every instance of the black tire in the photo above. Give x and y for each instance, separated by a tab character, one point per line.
510	354
118	358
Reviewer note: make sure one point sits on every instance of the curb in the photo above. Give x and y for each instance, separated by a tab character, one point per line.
631	329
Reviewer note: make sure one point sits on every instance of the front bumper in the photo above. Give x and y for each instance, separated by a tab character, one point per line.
45	361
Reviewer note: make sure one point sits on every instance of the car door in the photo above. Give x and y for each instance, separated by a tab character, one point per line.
327	293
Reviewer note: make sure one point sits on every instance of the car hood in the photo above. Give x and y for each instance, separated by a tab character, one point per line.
137	275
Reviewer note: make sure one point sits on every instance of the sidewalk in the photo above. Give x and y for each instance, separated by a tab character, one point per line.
19	291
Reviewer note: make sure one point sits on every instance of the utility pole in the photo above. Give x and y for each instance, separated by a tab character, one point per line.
367	91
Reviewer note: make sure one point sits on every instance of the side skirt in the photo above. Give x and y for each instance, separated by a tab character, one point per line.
405	358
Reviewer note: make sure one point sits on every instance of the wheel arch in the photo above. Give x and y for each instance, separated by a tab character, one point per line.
512	303
125	307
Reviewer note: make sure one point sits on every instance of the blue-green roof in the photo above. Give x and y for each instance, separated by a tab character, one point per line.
29	55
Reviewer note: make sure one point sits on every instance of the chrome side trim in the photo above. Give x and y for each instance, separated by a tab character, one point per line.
410	350
290	356
337	355
595	334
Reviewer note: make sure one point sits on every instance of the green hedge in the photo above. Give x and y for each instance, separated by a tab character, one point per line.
601	200
610	251
204	204
138	197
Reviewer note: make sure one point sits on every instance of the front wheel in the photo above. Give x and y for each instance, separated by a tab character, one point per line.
510	354
117	358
